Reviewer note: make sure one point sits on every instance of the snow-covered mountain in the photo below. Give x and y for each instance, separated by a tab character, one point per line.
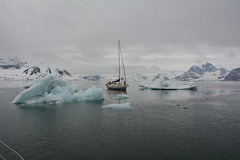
138	77
204	72
11	63
234	75
92	77
14	69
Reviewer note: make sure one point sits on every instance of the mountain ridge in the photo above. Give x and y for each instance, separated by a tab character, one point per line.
234	75
204	71
15	69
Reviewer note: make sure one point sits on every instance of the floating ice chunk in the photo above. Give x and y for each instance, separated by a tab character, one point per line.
159	81
30	84
124	106
191	84
176	87
143	85
36	91
141	88
160	84
52	89
120	96
90	94
165	84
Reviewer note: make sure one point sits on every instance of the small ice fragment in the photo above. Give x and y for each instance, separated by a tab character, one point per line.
124	106
143	85
120	96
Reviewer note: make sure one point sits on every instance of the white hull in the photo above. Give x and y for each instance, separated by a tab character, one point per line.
116	86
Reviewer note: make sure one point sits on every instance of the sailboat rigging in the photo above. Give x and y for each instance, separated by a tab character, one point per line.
117	84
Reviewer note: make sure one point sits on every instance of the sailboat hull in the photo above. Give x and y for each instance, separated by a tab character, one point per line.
116	87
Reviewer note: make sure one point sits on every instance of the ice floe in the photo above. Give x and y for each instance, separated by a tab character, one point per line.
161	84
143	85
123	106
120	96
52	89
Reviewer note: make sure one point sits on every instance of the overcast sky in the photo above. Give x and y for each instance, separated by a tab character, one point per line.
156	35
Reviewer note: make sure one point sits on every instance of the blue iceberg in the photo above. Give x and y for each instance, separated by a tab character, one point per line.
53	89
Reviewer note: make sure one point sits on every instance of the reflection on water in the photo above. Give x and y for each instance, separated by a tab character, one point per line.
205	88
154	129
177	94
110	92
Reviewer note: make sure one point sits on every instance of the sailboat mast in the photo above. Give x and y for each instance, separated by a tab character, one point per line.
120	51
119	48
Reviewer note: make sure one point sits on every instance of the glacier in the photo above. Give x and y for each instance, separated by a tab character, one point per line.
52	89
123	106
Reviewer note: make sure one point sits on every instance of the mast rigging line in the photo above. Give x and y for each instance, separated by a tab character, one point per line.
120	55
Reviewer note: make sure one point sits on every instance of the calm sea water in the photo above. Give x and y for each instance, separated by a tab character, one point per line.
163	125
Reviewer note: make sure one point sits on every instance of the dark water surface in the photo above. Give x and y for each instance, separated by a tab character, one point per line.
201	124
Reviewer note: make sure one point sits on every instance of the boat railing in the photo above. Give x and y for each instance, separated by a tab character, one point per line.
16	154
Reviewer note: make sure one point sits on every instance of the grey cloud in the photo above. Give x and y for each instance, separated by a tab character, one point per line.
83	32
201	59
230	54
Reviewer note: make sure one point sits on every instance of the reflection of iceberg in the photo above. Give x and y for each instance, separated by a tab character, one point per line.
160	84
52	89
124	106
120	96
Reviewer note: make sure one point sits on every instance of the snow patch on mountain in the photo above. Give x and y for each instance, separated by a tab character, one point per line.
11	63
14	69
203	72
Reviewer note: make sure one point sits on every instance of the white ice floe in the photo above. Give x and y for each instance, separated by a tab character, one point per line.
161	84
124	106
120	96
176	87
52	89
166	85
143	85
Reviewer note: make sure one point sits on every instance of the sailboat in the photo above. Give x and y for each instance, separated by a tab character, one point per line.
121	82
